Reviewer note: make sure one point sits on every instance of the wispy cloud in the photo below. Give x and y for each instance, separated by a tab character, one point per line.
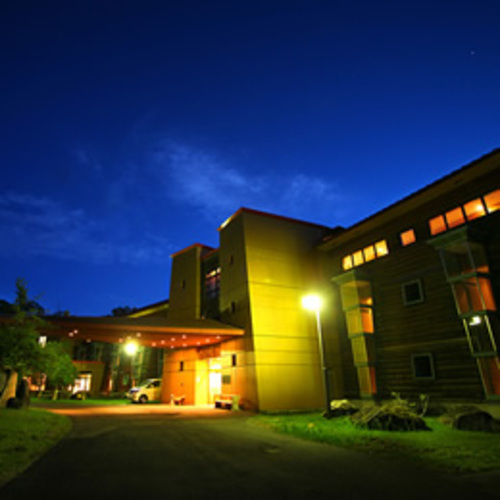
217	188
40	226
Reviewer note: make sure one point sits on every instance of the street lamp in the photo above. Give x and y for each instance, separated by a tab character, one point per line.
131	348
314	303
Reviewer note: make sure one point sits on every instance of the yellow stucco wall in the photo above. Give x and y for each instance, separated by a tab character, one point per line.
276	270
185	284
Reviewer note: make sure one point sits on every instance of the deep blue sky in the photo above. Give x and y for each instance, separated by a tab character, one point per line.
131	129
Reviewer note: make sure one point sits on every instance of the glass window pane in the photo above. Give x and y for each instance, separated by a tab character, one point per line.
408	237
347	263
474	209
366	378
437	225
474	294
358	258
490	368
487	293
369	253
479	335
381	248
492	201
455	217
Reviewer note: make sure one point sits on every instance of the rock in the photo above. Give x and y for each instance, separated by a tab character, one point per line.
390	417
474	420
342	407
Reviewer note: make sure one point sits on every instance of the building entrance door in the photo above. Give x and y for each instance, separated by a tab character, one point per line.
215	378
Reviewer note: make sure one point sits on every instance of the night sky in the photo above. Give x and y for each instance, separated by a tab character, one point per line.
132	129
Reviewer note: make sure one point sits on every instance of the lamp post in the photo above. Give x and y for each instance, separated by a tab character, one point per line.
131	349
314	303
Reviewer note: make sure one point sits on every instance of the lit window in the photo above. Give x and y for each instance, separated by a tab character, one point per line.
369	253
474	294
212	283
474	209
455	217
381	248
359	320
358	258
347	263
408	237
437	225
492	201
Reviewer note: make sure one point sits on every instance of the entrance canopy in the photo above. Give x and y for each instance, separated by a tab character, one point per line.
149	332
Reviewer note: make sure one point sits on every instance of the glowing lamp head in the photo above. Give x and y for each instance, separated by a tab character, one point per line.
312	302
131	348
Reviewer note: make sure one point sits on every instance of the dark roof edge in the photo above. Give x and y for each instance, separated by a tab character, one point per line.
437	182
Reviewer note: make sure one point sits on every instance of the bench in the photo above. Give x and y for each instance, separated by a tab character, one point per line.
177	400
227	401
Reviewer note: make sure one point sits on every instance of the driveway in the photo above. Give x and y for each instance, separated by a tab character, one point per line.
201	453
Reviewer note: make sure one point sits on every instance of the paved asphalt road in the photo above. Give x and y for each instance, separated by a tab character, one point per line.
146	452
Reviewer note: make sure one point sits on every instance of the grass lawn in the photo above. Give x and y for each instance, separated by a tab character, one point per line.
25	435
443	448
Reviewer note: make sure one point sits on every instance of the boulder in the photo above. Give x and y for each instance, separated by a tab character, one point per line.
342	407
474	420
389	417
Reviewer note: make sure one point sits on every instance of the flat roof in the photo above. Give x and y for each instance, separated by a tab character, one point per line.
147	331
269	215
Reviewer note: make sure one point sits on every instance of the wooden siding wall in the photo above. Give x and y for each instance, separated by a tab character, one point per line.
431	326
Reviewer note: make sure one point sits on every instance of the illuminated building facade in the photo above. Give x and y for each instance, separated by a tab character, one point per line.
410	300
410	297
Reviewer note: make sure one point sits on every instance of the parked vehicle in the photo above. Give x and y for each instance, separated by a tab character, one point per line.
150	390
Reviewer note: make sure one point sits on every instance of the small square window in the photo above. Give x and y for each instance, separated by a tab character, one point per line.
412	292
369	253
423	366
474	209
437	225
408	237
347	263
455	217
492	201
358	258
381	248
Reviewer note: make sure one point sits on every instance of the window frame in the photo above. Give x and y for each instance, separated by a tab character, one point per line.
430	357
420	289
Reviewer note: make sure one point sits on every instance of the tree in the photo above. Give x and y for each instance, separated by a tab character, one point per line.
20	351
123	311
57	366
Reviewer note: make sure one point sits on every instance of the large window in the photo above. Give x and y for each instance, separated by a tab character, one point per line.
467	271
357	304
212	283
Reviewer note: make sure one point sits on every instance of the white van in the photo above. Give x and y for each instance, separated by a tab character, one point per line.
150	390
